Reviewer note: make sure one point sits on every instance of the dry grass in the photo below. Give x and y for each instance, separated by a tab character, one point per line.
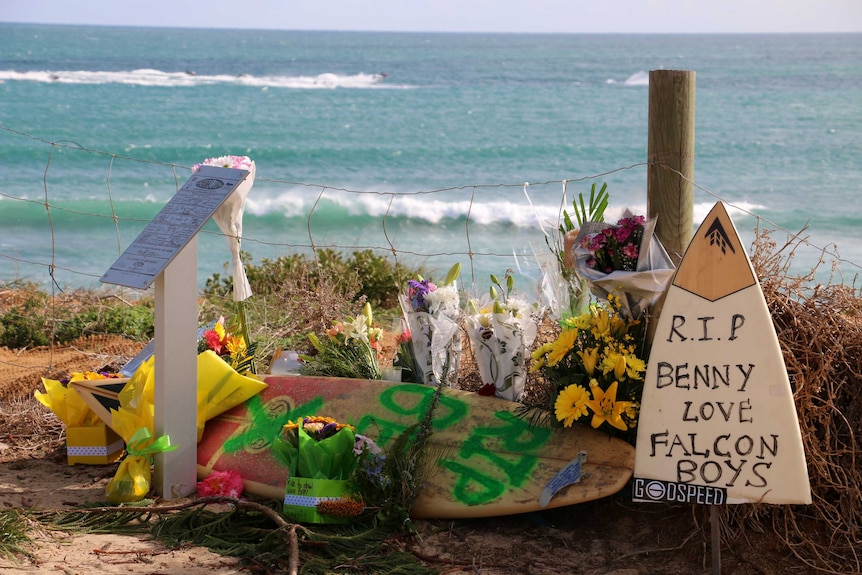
819	328
27	428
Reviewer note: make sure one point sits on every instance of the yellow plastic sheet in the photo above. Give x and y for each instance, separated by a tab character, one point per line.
66	404
137	406
219	388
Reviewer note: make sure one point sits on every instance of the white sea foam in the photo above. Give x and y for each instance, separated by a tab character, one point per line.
150	77
639	78
300	201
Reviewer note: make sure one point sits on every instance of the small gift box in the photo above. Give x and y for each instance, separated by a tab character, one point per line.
95	445
302	495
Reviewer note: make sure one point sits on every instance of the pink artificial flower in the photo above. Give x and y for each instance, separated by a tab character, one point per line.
221	484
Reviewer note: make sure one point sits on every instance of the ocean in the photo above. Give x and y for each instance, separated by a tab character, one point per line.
415	145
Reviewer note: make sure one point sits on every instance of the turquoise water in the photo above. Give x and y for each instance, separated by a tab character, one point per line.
429	160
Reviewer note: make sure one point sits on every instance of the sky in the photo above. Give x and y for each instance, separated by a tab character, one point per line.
542	16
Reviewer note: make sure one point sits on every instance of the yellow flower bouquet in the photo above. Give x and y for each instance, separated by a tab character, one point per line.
596	369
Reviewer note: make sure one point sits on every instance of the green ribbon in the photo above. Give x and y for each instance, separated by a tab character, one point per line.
135	445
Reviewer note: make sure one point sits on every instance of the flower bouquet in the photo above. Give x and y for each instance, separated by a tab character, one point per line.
317	448
501	329
229	343
350	349
321	456
596	369
66	403
132	480
433	333
219	388
624	258
229	218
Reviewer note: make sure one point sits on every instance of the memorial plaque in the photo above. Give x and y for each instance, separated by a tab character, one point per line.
174	226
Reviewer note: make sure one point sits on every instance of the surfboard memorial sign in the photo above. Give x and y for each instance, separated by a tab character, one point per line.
718	423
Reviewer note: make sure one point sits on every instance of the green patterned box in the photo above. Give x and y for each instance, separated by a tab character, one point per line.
301	496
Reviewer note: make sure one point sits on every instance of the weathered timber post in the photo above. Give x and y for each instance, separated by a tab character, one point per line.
670	188
670	153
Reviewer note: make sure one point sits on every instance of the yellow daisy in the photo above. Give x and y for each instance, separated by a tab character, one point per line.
571	404
561	346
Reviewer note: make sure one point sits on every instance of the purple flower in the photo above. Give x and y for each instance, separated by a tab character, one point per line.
630	251
328	431
416	292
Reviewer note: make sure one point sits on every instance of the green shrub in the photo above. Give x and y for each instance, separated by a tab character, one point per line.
377	278
136	322
21	327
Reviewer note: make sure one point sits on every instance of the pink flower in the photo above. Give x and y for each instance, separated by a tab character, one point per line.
622	233
598	241
616	247
214	341
235	162
405	337
221	484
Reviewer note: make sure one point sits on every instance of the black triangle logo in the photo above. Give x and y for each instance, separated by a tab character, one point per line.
108	403
717	236
114	387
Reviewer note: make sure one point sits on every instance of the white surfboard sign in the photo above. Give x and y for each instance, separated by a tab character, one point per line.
718	423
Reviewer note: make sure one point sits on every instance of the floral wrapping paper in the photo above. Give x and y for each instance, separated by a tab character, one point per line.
436	342
501	344
432	315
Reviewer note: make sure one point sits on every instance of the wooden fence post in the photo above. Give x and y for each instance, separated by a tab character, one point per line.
670	152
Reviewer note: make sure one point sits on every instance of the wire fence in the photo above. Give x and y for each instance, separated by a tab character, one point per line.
53	254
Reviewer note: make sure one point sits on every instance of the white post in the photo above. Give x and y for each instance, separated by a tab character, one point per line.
176	318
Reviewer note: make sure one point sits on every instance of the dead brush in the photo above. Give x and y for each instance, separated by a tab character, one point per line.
819	328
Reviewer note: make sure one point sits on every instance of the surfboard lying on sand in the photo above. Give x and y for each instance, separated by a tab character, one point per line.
718	423
492	461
